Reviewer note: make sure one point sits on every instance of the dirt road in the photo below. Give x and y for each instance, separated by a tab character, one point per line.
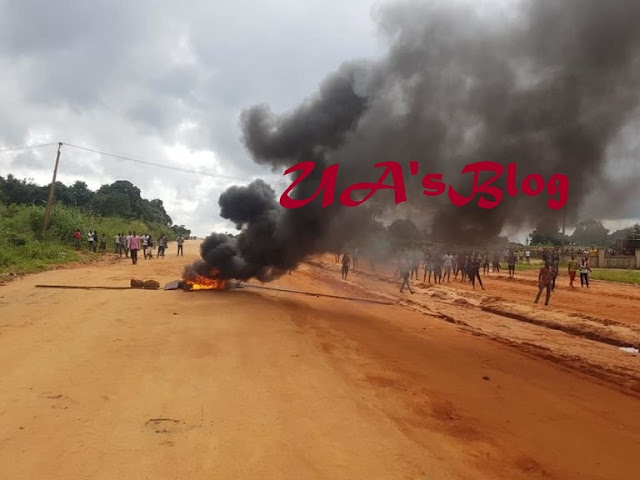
445	384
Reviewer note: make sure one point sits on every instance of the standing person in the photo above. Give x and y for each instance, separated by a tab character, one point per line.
474	271
134	246
459	265
149	246
496	263
448	265
123	244
405	270
145	242
485	265
554	274
162	245
527	256
415	264
454	263
428	267
103	243
346	263
77	238
116	244
90	239
127	241
465	269
511	262
437	268
544	281
181	246
572	268
584	272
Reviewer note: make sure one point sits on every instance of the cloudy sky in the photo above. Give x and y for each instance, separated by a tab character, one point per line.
165	82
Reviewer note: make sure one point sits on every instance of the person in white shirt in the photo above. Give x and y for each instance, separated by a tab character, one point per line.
144	239
181	246
585	269
127	244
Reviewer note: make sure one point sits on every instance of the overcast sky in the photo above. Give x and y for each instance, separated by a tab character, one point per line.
165	82
162	81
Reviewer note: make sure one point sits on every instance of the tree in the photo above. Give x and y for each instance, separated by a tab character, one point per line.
79	195
181	230
16	191
590	232
121	198
547	232
624	234
156	209
135	207
128	189
403	233
110	205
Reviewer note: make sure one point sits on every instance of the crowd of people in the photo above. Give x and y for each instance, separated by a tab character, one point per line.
95	242
439	267
128	245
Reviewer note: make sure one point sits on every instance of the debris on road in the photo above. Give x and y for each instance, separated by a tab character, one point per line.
151	285
632	350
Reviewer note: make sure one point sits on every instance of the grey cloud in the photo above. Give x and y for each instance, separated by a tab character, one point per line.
29	160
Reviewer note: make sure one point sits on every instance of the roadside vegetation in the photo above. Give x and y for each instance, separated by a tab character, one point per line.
112	209
608	274
616	275
23	250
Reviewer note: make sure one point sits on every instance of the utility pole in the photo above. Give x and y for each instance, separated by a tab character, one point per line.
52	187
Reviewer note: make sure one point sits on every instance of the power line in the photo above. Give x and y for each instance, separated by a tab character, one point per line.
26	147
168	167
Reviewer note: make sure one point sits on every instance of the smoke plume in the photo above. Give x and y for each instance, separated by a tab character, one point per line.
545	84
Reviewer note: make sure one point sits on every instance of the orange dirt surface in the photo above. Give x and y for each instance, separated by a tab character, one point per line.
447	383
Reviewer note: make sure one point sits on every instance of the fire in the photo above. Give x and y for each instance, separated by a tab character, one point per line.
199	282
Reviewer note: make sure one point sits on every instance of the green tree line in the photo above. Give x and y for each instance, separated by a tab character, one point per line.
588	232
118	199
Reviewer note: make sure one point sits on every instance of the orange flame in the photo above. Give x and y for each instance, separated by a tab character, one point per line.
199	282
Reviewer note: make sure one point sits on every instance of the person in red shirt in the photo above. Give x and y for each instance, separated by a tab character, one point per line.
544	281
77	237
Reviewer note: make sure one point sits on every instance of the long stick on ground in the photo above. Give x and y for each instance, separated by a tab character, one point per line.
314	294
86	287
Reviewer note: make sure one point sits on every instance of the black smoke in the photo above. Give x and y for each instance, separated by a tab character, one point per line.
547	84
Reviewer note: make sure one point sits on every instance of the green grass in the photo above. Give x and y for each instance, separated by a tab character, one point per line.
616	275
22	250
534	265
607	274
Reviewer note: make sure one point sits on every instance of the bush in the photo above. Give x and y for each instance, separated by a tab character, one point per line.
16	239
23	250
